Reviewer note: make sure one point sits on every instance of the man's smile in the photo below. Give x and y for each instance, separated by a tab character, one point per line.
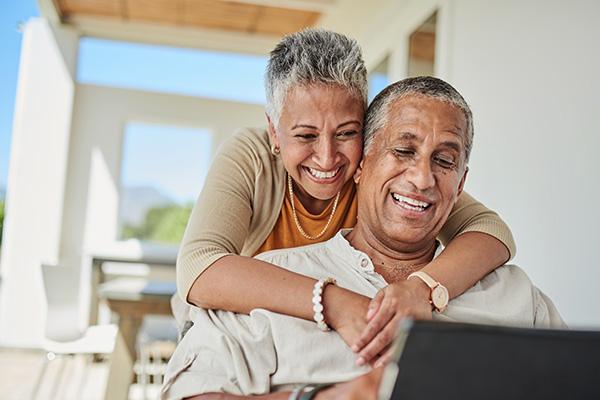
410	204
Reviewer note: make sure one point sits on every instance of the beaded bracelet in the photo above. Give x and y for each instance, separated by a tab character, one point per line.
318	305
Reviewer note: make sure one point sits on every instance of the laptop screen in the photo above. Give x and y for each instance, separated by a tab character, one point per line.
450	361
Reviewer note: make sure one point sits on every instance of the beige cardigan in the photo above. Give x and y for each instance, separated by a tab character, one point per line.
242	199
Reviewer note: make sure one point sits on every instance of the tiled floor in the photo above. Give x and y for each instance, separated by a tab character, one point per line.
66	378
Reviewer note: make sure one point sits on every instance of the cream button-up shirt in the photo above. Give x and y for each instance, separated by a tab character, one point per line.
266	351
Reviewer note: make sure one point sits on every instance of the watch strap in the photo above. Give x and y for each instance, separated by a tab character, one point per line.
425	277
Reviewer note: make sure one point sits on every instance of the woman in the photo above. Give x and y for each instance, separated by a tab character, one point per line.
292	185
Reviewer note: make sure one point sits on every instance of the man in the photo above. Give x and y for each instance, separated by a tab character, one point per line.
418	137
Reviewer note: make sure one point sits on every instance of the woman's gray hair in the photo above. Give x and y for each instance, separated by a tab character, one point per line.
377	114
313	56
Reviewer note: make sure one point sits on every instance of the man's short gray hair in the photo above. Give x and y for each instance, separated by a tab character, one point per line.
313	56
425	86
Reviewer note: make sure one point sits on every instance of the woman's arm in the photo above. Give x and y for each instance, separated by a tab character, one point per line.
478	242
241	284
210	271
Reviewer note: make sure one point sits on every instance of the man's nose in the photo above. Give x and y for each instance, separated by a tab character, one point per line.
326	152
421	175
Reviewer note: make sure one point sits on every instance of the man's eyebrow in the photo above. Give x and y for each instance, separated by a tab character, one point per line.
406	136
452	144
456	130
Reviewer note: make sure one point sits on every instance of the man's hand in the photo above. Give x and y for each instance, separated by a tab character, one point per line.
364	387
409	298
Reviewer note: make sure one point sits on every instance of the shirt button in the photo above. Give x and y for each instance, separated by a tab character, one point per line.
364	263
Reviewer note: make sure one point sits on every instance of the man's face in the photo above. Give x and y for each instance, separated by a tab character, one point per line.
413	172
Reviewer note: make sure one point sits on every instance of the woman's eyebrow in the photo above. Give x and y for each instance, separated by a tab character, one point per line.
303	126
353	121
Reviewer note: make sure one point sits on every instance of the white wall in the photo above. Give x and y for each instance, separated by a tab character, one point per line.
530	73
36	179
64	171
100	115
531	70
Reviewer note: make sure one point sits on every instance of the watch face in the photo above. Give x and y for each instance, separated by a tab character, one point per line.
439	297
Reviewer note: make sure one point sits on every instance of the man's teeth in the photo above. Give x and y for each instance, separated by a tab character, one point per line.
409	203
323	174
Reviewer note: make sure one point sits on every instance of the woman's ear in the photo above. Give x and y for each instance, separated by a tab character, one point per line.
358	172
272	133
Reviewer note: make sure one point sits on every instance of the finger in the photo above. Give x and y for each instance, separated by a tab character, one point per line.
375	304
374	360
379	343
378	321
385	357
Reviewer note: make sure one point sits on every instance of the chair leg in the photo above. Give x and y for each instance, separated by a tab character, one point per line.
57	380
40	377
88	359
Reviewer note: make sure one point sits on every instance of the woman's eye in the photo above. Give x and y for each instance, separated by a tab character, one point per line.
306	136
347	134
445	162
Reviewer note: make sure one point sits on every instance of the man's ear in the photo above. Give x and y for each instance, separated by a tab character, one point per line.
272	133
358	172
461	185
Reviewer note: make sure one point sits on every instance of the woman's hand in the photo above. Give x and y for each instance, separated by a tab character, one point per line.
409	298
345	312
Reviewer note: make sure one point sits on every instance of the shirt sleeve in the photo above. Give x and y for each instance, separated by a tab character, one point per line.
220	220
469	215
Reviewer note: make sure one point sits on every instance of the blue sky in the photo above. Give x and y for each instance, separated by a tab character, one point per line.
173	159
11	13
141	66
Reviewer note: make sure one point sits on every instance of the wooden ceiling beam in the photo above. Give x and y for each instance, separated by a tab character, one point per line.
211	39
320	6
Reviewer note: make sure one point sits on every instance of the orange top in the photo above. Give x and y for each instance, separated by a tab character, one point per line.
285	234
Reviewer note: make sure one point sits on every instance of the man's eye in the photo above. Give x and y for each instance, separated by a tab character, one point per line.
402	152
445	162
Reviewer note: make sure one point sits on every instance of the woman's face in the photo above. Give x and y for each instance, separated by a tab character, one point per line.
319	135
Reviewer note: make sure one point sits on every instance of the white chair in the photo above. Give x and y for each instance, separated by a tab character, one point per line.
63	336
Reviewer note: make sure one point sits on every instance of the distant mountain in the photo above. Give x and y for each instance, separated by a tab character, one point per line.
137	200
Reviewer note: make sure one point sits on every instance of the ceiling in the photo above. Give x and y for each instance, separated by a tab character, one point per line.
210	14
251	26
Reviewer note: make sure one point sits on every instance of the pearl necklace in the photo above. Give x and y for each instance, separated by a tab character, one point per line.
302	232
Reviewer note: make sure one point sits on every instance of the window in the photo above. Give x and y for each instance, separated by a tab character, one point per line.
422	48
378	79
190	72
162	172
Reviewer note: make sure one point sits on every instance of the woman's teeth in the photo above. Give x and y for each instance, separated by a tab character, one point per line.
410	204
322	174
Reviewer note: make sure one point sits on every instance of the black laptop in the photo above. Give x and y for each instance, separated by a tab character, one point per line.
451	361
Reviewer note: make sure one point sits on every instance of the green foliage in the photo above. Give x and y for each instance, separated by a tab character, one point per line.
162	224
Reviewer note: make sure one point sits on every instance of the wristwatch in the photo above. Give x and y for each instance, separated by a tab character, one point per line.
438	297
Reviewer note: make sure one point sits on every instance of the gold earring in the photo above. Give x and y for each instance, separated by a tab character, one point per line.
274	150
